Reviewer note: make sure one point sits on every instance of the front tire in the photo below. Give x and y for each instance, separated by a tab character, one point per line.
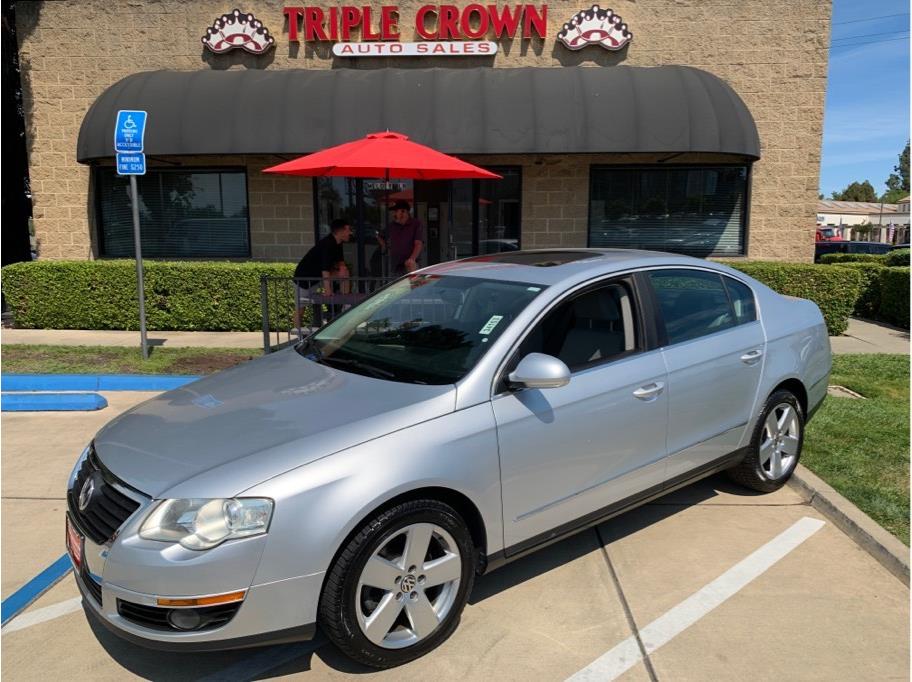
397	588
775	446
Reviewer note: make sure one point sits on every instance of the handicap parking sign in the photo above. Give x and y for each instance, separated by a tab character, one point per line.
129	131
131	164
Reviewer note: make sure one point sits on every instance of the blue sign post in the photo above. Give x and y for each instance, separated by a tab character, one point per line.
129	137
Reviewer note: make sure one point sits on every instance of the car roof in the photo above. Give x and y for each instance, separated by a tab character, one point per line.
552	266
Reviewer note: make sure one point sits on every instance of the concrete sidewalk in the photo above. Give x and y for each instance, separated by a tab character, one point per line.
85	337
861	337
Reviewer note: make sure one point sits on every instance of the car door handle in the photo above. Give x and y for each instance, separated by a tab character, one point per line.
752	358
649	391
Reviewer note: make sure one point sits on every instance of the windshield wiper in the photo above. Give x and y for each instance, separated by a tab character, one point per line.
314	353
357	364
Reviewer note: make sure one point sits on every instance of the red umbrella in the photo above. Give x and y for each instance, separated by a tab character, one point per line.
383	155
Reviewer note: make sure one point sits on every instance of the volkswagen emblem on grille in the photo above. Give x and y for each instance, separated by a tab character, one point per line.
86	494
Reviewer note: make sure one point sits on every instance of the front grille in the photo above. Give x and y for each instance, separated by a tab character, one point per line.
93	587
156	618
107	509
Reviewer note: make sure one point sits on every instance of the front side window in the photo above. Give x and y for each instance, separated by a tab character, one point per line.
698	211
693	303
183	214
426	329
587	329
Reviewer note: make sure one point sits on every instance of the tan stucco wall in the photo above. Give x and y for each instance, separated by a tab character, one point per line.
772	53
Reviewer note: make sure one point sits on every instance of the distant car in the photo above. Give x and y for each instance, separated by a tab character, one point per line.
828	234
463	416
876	248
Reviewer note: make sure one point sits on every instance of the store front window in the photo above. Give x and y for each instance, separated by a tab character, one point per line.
698	211
461	217
183	213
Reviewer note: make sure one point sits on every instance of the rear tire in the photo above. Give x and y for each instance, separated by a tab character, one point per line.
396	590
776	445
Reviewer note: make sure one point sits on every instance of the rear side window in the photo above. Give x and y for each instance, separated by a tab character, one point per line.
742	299
693	303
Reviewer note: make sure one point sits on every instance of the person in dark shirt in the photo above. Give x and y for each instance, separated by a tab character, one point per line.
404	240
323	263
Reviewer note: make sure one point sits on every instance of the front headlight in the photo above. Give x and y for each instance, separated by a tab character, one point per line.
204	524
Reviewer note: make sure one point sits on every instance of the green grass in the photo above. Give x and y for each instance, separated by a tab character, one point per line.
27	359
861	447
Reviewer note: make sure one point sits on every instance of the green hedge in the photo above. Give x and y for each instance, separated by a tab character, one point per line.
868	303
898	258
894	299
183	295
834	290
831	258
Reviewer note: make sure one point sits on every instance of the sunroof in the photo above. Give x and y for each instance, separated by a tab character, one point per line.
540	259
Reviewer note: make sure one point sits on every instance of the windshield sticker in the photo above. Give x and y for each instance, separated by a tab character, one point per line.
490	324
535	289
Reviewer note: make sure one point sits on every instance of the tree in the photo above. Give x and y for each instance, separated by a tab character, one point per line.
856	191
898	185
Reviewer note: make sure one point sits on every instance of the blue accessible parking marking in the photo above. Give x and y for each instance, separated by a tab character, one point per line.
34	588
93	382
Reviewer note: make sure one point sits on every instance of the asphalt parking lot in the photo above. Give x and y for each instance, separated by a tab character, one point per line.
712	582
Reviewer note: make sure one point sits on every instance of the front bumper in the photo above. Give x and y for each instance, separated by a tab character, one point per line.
270	614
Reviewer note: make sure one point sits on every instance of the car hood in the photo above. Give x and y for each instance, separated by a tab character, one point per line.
223	434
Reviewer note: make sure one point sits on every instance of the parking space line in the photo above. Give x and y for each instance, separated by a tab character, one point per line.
34	588
43	615
667	626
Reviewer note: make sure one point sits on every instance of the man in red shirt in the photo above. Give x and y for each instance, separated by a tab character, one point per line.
404	240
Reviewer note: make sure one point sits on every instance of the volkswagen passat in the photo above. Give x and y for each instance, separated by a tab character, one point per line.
465	415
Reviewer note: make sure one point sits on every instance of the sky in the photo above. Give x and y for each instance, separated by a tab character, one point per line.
866	120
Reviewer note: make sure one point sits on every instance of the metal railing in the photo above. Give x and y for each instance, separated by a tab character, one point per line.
294	308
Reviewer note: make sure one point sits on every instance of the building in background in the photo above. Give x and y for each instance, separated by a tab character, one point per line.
693	128
866	220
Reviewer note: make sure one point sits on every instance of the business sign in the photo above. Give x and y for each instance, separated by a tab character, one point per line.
238	30
445	30
131	164
129	131
595	26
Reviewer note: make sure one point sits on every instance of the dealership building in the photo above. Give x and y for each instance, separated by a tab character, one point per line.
692	127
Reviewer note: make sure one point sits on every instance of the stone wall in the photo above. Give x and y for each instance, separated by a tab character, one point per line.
773	53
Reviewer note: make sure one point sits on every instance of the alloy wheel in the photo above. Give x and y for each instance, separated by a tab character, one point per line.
408	586
780	441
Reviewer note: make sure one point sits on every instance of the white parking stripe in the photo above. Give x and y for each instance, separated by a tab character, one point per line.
42	615
664	628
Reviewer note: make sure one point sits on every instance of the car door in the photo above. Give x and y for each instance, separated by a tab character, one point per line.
571	452
714	349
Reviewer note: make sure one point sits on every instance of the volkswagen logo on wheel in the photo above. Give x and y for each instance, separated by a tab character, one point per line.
86	494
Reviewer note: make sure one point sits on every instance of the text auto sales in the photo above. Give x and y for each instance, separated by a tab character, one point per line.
448	30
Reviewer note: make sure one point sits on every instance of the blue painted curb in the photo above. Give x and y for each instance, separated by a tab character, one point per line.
93	382
51	402
34	588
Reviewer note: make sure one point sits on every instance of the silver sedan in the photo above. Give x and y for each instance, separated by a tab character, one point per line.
465	415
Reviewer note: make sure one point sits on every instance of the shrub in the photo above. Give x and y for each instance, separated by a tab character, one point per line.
868	303
894	296
897	258
831	258
184	295
834	290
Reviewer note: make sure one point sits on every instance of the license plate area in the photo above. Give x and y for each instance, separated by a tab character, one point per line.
75	543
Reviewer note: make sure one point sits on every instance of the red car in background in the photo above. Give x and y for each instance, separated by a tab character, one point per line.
828	234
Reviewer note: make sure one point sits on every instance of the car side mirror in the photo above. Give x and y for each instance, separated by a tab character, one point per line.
538	370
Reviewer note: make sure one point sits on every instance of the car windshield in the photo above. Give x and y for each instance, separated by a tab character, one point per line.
426	329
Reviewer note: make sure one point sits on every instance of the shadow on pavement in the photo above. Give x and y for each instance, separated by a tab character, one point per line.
288	659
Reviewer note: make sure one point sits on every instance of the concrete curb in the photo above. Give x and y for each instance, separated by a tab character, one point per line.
889	552
93	382
51	402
